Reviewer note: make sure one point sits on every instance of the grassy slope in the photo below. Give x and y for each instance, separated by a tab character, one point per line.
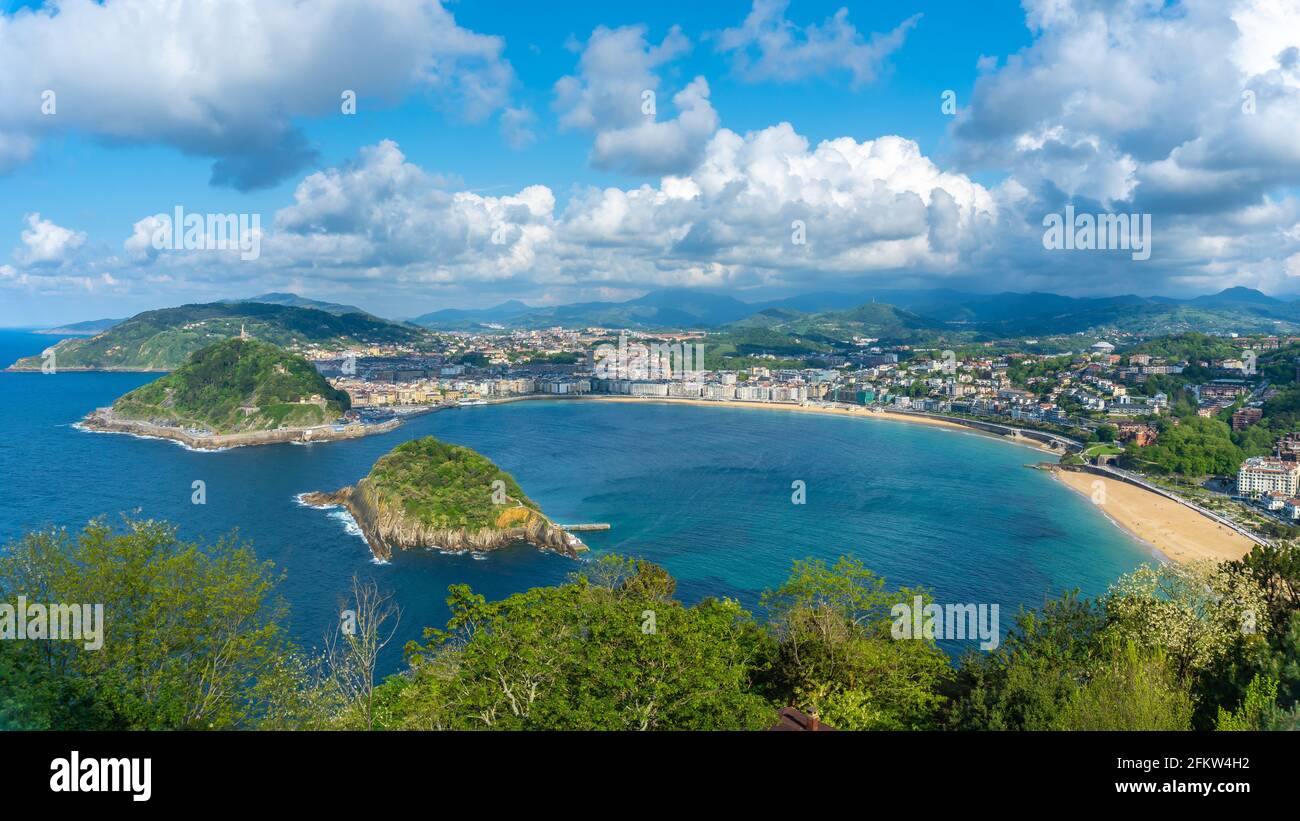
449	486
209	389
163	339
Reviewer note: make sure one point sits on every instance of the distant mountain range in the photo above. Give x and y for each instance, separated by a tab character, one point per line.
671	308
799	326
295	301
1003	314
88	328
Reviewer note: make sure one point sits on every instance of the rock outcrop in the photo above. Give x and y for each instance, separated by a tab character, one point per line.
104	420
387	527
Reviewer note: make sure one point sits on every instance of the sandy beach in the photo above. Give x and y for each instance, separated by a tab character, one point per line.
1178	532
856	412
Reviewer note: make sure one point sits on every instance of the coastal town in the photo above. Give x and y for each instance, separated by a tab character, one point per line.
1101	402
1079	389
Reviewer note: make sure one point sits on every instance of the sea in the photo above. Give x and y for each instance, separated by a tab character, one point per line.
724	498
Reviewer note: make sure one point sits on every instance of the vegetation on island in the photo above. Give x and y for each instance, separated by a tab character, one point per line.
237	385
448	486
194	640
164	339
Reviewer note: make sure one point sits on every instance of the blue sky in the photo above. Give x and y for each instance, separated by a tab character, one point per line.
597	201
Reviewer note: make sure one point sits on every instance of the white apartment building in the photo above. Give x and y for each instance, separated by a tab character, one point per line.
648	389
1261	474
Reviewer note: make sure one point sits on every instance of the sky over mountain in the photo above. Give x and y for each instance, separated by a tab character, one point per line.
594	151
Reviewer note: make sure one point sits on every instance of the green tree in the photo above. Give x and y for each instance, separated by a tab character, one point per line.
188	630
1196	613
1195	447
1260	699
1128	687
835	655
1037	669
609	650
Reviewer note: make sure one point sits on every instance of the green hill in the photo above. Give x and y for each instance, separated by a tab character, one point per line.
872	319
427	494
162	339
447	486
234	386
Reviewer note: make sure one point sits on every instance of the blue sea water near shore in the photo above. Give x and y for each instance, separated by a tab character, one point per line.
706	492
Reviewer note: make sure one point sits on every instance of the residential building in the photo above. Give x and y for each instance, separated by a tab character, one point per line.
1262	474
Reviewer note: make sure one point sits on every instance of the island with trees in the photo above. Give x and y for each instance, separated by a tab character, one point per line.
429	494
235	392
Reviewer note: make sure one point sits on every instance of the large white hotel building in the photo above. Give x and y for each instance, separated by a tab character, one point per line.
1261	474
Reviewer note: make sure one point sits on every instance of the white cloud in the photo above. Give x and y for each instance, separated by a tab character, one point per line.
1185	111
517	126
767	46
226	80
616	95
45	243
868	206
1293	265
382	213
661	146
140	244
1126	106
54	284
1143	103
615	67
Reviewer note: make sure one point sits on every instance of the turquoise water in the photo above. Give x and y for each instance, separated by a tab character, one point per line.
704	491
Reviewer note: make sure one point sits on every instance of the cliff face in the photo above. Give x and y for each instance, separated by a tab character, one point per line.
387	527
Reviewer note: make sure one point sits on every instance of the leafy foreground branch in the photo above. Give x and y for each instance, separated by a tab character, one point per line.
194	638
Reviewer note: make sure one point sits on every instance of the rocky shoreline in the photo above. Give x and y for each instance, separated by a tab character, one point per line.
386	528
103	420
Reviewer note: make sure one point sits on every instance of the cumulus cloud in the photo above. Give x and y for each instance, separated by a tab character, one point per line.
56	284
383	213
661	146
1183	109
45	243
864	206
615	95
1187	112
877	205
227	80
768	46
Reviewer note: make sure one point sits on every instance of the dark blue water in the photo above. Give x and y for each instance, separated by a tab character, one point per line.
704	491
